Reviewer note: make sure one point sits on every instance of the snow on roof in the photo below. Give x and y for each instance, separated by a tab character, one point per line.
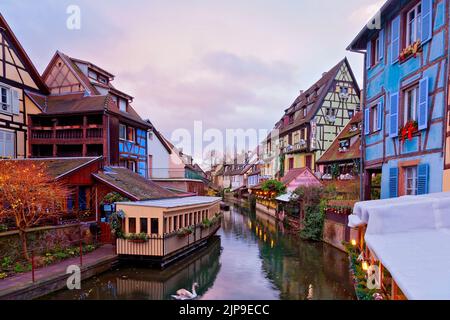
174	202
411	237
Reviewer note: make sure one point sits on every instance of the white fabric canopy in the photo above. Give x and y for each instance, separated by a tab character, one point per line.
411	237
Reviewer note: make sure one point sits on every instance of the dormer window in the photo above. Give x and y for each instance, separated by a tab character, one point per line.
291	119
123	105
92	74
102	79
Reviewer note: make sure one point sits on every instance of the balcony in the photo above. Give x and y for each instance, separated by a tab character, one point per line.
93	134
297	147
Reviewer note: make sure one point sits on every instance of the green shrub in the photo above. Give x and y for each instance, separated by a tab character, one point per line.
6	263
19	268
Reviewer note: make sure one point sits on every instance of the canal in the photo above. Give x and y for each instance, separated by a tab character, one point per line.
252	257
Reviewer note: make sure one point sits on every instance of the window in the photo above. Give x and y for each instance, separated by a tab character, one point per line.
175	224
304	112
190	219
374	117
411	103
102	79
351	113
92	74
122	105
7	145
131	134
4	99
144	225
413	25
331	112
122	132
375	51
131	225
154	225
82	199
411	180
291	119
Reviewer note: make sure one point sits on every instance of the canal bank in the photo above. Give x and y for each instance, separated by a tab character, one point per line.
54	277
253	257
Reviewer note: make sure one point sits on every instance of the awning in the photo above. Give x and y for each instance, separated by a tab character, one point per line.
411	238
285	197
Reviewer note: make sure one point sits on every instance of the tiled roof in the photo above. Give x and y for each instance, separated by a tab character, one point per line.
294	173
59	167
316	93
132	184
332	154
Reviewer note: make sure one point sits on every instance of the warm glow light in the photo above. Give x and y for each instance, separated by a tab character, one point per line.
265	237
365	266
353	242
271	243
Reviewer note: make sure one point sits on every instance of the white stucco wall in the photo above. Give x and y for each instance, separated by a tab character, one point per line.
160	158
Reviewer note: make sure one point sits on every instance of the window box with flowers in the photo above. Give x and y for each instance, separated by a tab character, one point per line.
184	232
410	51
137	238
408	131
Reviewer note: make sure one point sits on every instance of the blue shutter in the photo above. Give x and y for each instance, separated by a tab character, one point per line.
395	39
423	177
393	182
393	126
427	20
367	121
422	116
381	45
380	114
369	55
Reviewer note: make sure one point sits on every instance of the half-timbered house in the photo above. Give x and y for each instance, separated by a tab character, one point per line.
406	71
317	116
18	78
85	115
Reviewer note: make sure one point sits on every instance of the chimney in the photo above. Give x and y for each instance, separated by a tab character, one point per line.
302	92
324	74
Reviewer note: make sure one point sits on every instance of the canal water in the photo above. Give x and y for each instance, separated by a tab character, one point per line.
252	257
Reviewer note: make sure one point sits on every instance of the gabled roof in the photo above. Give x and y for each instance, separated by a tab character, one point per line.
58	168
316	95
23	55
332	154
131	184
389	9
292	174
160	137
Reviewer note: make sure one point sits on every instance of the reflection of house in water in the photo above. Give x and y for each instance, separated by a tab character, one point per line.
202	267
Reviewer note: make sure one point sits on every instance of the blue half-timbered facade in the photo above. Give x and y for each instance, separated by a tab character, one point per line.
406	52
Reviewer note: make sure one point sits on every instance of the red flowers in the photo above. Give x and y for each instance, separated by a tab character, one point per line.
408	130
411	50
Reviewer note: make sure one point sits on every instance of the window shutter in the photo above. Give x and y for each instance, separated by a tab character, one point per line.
367	122
393	182
369	55
15	101
423	177
395	39
380	114
393	126
427	20
381	45
423	104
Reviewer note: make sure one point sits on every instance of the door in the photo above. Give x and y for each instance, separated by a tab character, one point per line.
105	229
291	163
308	161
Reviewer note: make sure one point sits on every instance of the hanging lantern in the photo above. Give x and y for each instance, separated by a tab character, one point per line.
353	242
365	266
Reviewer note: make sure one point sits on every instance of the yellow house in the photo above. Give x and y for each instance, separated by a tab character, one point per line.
166	229
18	76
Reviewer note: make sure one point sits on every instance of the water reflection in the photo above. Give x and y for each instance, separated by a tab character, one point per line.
141	283
253	257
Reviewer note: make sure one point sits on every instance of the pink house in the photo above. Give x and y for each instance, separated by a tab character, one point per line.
300	177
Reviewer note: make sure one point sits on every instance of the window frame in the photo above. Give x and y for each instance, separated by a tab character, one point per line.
120	132
405	106
414	170
4	144
8	102
417	24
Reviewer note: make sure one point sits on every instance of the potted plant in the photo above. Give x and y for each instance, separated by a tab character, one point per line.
407	131
411	50
137	237
183	232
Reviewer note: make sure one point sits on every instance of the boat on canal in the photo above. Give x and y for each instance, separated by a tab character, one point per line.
162	231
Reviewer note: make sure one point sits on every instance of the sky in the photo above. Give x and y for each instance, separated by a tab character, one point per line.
230	64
